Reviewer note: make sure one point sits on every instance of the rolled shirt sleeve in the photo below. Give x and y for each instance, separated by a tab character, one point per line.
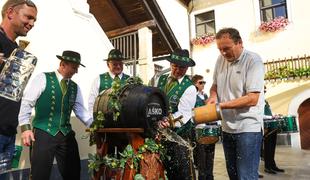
94	92
186	104
80	110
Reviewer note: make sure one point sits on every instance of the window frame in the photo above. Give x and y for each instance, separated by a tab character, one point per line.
205	23
263	9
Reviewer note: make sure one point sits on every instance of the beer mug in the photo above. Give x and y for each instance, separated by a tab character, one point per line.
16	73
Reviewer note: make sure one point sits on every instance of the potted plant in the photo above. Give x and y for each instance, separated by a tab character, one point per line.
274	25
203	40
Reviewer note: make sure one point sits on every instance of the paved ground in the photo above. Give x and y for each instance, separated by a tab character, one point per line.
296	163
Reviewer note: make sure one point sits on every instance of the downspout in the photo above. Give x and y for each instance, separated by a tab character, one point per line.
190	35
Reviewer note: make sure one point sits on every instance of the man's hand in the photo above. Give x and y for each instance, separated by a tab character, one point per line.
211	100
164	123
1	58
27	137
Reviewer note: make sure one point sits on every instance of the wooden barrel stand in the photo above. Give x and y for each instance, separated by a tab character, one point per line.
135	140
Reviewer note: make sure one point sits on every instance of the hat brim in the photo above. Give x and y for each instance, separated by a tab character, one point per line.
61	58
191	62
114	59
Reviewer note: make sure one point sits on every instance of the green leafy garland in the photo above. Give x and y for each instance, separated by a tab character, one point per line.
128	156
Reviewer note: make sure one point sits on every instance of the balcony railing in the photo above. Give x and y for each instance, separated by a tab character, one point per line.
288	68
128	44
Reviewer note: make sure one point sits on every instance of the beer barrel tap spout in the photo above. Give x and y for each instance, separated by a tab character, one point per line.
173	120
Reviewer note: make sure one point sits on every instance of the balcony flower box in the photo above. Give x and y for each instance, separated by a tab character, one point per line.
203	40
274	25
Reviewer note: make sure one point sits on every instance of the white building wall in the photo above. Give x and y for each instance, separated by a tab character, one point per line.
245	16
68	25
290	42
177	17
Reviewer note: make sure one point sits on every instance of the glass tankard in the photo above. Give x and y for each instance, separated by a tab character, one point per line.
16	73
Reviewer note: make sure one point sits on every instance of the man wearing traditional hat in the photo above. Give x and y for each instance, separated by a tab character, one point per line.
104	81
181	95
54	95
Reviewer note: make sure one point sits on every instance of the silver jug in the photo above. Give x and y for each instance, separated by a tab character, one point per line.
15	74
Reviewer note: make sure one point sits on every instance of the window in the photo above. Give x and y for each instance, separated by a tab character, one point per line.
205	23
270	9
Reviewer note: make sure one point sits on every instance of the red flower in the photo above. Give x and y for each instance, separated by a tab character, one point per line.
274	25
203	40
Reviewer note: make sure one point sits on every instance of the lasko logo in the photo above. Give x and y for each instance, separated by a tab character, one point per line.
153	109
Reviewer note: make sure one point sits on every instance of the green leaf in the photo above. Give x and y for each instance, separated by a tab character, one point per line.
139	177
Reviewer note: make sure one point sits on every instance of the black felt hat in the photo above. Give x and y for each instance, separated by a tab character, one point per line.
71	56
181	58
115	55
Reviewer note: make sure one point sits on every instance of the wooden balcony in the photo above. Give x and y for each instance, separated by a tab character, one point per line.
288	68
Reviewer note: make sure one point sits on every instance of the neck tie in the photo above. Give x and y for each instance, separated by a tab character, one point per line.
116	78
171	83
63	86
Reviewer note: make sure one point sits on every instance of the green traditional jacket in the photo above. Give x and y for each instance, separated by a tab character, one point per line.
267	110
53	108
106	81
176	92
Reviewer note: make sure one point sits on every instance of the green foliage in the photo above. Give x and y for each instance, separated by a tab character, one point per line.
114	101
97	124
94	163
286	72
114	106
139	177
128	156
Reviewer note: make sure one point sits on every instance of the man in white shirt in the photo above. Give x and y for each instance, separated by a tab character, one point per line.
54	95
104	81
181	95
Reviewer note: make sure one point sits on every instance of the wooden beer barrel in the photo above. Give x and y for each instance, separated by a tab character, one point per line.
141	107
207	113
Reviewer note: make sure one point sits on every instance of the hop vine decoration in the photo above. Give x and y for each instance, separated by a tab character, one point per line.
114	101
274	25
114	106
97	124
127	157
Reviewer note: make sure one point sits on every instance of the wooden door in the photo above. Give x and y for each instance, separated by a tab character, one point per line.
304	124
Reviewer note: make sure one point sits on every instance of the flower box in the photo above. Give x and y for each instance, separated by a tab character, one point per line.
274	25
203	40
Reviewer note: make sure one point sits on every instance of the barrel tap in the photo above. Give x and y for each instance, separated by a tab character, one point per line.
173	120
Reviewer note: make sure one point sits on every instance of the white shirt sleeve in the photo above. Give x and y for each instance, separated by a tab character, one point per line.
186	104
80	110
94	92
30	97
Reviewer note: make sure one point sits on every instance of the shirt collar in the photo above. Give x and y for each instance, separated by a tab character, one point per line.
240	57
59	76
179	80
113	75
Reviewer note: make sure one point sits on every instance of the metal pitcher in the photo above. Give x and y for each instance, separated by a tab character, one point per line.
15	74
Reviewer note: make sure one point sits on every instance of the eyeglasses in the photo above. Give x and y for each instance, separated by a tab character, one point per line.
202	82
